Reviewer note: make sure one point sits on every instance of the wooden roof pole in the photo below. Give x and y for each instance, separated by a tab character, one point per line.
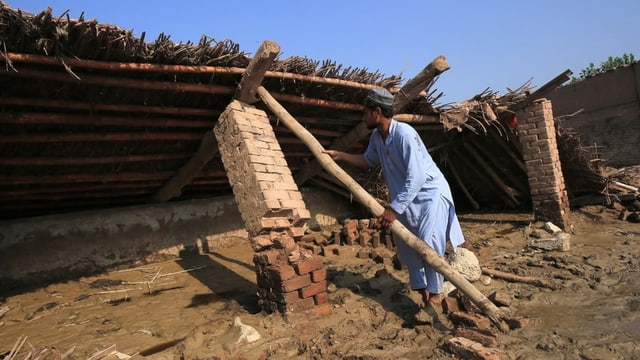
399	230
413	88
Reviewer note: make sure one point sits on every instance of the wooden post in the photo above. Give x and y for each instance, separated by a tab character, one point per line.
399	231
253	76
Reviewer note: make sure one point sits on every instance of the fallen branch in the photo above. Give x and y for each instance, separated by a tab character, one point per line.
516	278
400	231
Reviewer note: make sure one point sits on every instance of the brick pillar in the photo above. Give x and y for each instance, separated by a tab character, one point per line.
537	136
289	277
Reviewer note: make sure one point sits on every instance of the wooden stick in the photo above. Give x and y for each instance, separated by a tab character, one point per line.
419	83
400	232
465	191
492	175
516	278
206	151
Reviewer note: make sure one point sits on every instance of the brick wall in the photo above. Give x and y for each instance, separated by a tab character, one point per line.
610	117
537	136
289	277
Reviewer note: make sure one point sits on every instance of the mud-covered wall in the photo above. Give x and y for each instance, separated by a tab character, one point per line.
50	248
610	120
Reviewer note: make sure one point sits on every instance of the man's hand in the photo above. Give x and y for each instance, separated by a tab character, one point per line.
335	154
387	218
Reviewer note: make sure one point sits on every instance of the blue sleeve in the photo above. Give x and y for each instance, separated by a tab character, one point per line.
371	155
416	175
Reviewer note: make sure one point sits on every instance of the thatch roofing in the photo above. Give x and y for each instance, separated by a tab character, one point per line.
94	117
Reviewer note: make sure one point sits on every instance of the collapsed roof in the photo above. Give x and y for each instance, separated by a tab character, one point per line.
93	117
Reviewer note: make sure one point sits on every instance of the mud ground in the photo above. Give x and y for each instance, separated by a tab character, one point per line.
186	308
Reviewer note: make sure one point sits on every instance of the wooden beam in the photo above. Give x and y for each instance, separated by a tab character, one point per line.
254	74
463	187
185	69
57	161
91	137
173	188
419	83
513	202
142	84
542	91
79	105
99	120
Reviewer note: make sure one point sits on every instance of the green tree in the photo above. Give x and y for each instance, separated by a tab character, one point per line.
611	64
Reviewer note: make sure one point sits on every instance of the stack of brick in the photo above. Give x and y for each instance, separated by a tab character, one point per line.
271	206
537	135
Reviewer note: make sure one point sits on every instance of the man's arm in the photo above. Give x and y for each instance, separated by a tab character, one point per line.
353	159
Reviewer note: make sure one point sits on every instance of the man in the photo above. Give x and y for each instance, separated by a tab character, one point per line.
419	195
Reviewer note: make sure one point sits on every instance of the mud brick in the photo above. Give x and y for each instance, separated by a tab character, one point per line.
484	337
313	289
281	273
308	238
328	250
379	254
375	239
285	242
388	241
308	265
364	238
350	231
322	310
274	223
363	254
363	224
468	349
300	216
321	298
288	297
296	283
314	249
450	304
468	319
319	275
300	305
268	257
297	232
500	298
520	322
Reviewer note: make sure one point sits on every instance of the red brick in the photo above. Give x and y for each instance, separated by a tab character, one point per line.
280	273
468	319
300	305
322	310
484	337
328	250
268	257
308	265
289	297
319	275
296	283
450	304
321	298
365	238
313	289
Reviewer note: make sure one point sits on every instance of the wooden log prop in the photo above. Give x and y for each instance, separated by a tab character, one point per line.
517	278
399	231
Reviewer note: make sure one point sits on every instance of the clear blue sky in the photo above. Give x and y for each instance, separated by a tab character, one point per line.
489	44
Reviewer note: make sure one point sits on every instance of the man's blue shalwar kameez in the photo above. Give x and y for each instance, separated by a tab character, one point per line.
420	195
